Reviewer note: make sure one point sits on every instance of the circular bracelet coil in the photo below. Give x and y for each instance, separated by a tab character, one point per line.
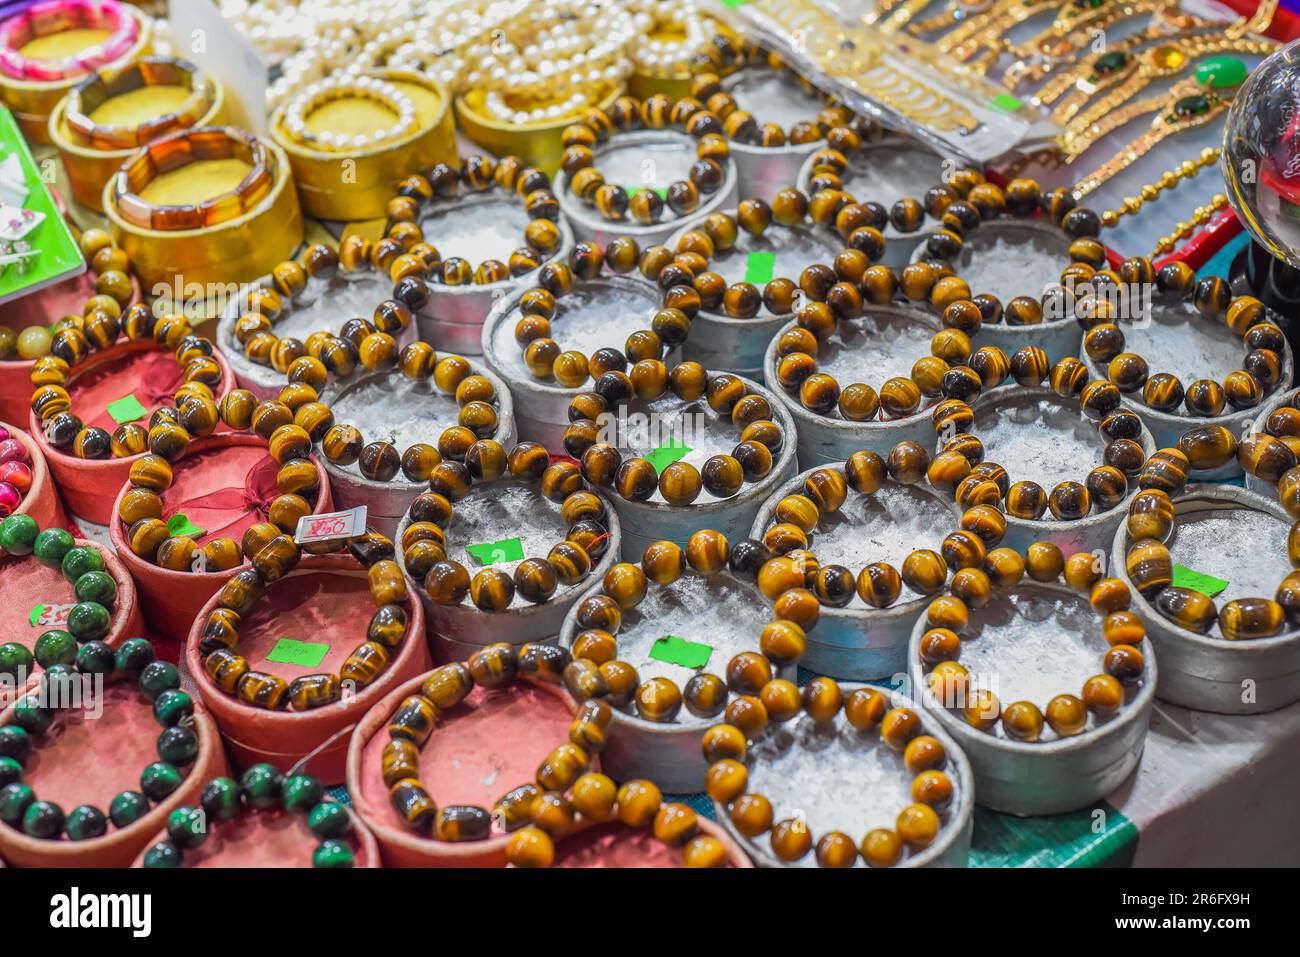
261	788
337	87
273	555
179	149
535	580
680	483
96	90
729	748
16	474
1102	696
597	672
56	16
1270	452
413	264
177	746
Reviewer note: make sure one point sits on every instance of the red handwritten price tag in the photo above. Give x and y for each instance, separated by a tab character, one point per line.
331	525
49	616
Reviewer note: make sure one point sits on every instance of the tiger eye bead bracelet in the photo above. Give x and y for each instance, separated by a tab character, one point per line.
680	483
597	673
1102	696
535	580
274	554
1271	452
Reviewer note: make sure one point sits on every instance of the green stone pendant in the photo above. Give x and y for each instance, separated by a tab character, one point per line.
1221	72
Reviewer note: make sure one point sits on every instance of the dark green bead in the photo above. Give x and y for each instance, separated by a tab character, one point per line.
220	798
187	826
43	819
79	560
18	534
86	822
96	586
14	799
163	854
14	742
1110	62
261	785
127	808
329	819
11	772
178	745
60	683
88	621
55	647
159	780
302	792
333	854
15	660
172	707
96	658
32	715
51	545
157	677
1194	105
133	655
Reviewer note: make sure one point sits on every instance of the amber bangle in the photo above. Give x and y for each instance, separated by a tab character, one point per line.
57	16
97	89
180	149
1102	695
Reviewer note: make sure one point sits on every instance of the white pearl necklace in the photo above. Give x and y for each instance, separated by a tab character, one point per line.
342	87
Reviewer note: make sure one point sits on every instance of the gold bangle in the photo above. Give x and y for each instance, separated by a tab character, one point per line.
97	89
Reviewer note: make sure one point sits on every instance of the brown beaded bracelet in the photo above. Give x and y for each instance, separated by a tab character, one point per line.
274	554
1263	453
447	582
949	682
97	89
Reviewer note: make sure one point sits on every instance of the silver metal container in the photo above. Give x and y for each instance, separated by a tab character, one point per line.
542	408
885	173
1054	775
772	97
457	631
800	769
720	610
718	341
879	345
325	305
1174	339
452	319
857	641
655	520
1282	397
643	158
1023	409
387	502
1239	536
1018	257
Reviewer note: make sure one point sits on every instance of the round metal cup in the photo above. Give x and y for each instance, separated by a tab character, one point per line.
387	502
859	642
718	341
1047	777
589	226
765	169
542	408
1206	672
1095	531
457	631
952	846
1282	397
824	440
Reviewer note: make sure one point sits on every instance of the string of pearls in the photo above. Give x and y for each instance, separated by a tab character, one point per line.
339	87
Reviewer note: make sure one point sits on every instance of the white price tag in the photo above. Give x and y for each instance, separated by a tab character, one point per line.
331	525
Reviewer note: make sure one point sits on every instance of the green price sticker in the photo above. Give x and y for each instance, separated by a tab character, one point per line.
127	409
759	267
733	4
667	454
679	651
290	651
661	190
489	553
180	524
1207	585
35	616
1006	103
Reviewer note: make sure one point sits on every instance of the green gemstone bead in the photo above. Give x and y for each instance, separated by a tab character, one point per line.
187	826
261	785
1195	105
15	660
11	772
18	534
14	799
79	560
85	822
329	819
127	808
60	683
43	819
133	655
159	780
1108	63
51	545
96	658
1221	72
178	745
96	586
157	677
333	854
88	621
220	798
33	716
162	854
172	707
302	792
14	742
55	647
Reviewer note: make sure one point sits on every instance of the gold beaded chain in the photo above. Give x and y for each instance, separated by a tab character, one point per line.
1167	181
